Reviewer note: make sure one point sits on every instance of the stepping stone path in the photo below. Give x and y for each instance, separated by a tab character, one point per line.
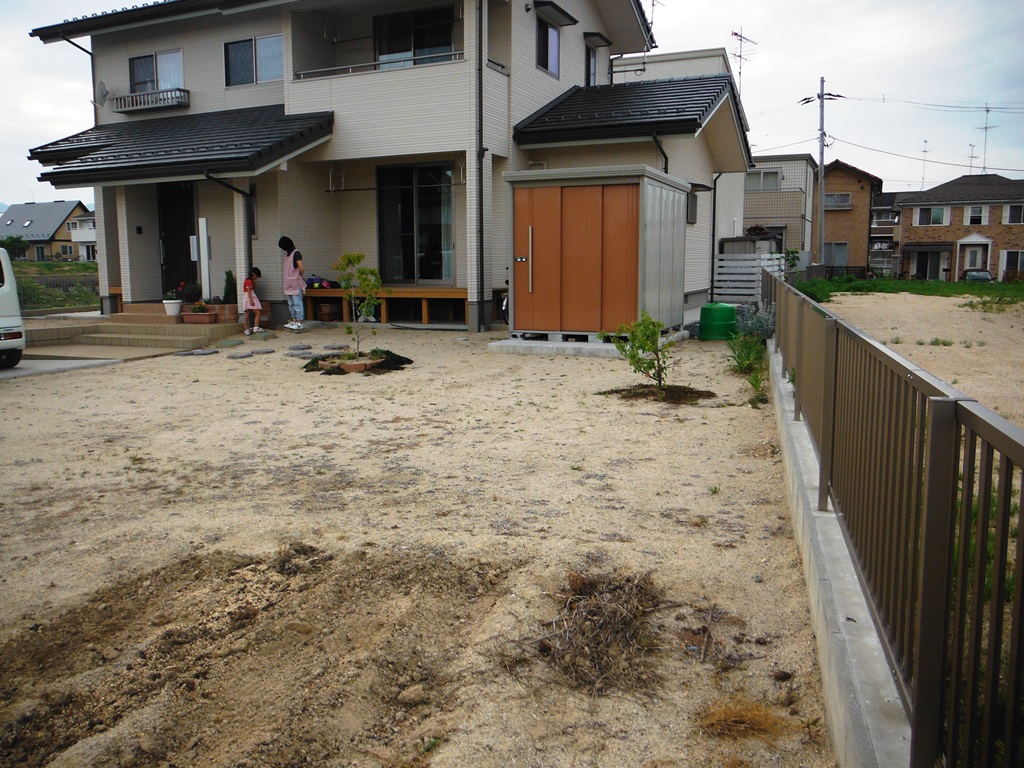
239	355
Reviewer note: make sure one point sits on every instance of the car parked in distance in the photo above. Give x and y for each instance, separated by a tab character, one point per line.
976	275
12	329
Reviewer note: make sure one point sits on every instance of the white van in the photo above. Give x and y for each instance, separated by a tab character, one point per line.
12	329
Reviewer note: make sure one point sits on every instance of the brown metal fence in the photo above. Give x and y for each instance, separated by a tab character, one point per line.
926	484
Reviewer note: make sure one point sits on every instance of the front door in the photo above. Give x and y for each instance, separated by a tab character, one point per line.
177	214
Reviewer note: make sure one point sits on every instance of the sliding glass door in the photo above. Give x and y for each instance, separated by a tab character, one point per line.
414	224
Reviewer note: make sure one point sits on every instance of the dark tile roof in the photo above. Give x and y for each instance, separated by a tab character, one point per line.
44	219
976	188
630	109
185	146
883	200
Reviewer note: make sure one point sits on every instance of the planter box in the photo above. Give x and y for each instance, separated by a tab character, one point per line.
199	318
226	313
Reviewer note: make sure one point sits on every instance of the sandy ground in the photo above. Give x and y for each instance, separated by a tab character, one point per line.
978	352
208	561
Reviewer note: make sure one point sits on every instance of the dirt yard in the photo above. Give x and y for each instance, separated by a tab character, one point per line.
208	561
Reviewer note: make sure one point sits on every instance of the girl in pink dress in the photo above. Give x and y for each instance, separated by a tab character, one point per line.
251	303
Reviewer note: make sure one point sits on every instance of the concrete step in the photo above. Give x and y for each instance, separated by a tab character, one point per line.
150	318
163	341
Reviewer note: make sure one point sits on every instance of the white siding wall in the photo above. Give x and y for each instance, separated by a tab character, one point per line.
215	204
107	249
711	61
729	206
141	276
202	43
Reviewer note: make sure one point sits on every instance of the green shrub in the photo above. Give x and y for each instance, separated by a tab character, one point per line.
642	347
756	322
748	353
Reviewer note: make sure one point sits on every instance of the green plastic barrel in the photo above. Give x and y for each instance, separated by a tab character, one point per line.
717	321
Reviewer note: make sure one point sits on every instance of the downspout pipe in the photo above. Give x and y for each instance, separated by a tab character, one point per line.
657	143
481	150
714	228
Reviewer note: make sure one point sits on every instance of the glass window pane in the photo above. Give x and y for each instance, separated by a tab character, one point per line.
394	41
937	215
269	59
170	71
432	34
142	73
542	44
239	66
553	48
770	181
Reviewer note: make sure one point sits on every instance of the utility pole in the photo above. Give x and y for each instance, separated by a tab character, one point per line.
821	172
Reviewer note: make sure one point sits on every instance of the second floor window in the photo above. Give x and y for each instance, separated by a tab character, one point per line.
1015	214
591	73
415	37
838	201
156	72
931	217
256	60
976	215
548	39
762	181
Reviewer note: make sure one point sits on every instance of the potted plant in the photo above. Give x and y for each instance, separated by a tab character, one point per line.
190	292
227	307
199	312
172	303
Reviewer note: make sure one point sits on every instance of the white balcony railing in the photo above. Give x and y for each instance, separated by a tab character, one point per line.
376	66
135	102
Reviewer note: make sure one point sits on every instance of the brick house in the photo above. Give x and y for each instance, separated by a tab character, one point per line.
388	128
849	195
973	222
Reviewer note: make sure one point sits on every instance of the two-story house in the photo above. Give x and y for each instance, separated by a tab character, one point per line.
779	196
884	237
386	128
973	222
45	226
849	192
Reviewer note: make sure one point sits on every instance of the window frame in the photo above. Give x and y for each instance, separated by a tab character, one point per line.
159	82
410	56
828	256
1008	213
254	51
943	211
590	73
548	33
761	174
840	201
969	215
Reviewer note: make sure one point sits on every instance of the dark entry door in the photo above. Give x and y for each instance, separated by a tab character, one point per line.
177	213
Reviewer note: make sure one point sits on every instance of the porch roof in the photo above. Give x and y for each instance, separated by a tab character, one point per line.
239	142
930	247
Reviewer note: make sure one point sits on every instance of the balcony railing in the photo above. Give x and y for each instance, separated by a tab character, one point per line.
375	66
136	102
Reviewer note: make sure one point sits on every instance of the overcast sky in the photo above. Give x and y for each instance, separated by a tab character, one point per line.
909	72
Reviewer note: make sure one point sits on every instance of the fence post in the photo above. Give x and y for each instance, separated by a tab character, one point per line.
931	632
828	412
798	359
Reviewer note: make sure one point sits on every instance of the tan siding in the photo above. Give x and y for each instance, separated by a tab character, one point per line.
141	276
202	43
215	204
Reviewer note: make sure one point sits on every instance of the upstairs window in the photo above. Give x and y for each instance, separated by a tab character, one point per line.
256	60
762	181
931	217
591	73
1014	214
838	201
975	215
548	44
156	72
415	37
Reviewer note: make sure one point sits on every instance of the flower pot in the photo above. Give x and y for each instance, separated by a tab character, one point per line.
199	318
172	306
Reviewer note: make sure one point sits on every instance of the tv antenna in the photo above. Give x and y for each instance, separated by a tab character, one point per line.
924	161
740	57
984	152
971	158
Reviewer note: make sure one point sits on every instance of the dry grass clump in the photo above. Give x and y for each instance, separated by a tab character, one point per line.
601	635
738	717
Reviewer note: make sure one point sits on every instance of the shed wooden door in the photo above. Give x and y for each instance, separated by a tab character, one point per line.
576	252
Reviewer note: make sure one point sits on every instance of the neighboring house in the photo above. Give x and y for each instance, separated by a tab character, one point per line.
45	227
83	235
849	193
884	237
973	222
384	128
779	196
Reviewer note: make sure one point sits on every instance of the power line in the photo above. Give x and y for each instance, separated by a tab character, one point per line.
908	157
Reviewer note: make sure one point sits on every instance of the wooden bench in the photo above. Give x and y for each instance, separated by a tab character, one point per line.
425	293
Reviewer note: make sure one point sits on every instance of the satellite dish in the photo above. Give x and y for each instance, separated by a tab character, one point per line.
101	95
